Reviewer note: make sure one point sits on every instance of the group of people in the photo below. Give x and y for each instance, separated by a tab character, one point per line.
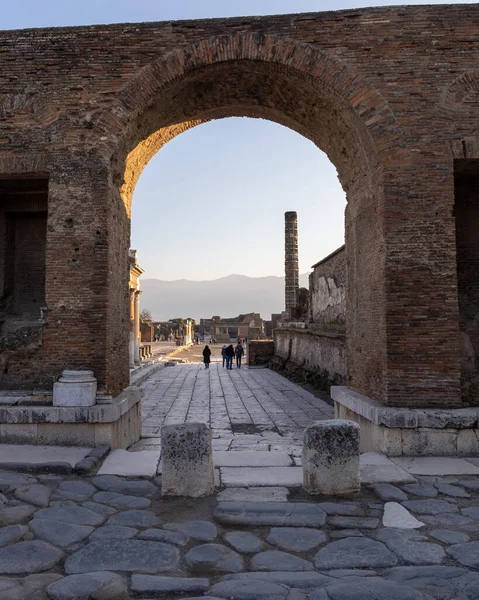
227	354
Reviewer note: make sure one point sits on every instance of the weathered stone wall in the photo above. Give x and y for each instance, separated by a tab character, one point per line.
317	355
260	352
327	289
390	94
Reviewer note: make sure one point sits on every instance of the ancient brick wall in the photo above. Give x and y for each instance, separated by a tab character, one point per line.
327	289
390	94
260	352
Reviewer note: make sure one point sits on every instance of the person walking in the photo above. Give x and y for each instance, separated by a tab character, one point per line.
229	352
206	357
223	355
239	351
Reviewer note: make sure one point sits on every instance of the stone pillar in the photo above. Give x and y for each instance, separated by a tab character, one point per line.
132	329
291	265
187	460
137	325
331	457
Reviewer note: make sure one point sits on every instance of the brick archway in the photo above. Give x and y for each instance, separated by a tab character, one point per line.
333	82
390	94
306	90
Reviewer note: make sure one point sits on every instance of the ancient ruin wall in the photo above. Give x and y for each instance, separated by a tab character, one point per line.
327	289
390	94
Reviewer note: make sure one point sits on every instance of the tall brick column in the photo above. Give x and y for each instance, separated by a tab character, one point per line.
291	266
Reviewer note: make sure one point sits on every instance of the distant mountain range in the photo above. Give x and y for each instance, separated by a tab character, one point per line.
227	297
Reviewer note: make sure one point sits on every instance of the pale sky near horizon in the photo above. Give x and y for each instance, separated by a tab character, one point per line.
212	201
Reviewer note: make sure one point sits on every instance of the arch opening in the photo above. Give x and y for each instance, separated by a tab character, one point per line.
255	89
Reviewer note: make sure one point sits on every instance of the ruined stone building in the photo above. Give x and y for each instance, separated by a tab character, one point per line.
390	94
315	348
147	331
249	326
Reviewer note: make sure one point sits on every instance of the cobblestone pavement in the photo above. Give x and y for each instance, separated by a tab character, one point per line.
112	538
247	409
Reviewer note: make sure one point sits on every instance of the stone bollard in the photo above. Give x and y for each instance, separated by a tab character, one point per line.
187	460
331	457
75	388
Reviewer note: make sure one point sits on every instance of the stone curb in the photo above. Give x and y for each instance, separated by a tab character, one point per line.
91	460
83	467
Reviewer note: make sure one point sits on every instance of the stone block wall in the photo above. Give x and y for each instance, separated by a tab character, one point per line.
260	352
327	289
317	355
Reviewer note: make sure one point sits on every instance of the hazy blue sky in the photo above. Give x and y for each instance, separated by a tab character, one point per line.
211	202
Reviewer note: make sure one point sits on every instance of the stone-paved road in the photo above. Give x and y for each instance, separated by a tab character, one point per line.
247	409
66	538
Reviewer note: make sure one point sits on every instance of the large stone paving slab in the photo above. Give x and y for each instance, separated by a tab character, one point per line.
432	465
99	584
354	553
23	453
252	459
131	464
262	476
28	557
288	514
135	556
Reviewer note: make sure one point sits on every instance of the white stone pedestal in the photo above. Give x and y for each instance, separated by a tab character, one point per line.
187	460
331	457
75	388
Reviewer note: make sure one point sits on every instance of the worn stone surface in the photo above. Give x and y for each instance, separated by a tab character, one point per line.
353	522
112	483
214	558
399	517
296	539
59	533
187	460
134	518
354	553
243	541
330	457
198	530
123	555
161	535
260	494
367	590
121	533
346	509
71	514
11	515
389	493
122	500
162	585
295	579
452	490
101	509
99	585
465	554
262	590
449	537
36	494
28	557
472	512
411	547
263	513
77	490
275	560
420	489
430	507
12	533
